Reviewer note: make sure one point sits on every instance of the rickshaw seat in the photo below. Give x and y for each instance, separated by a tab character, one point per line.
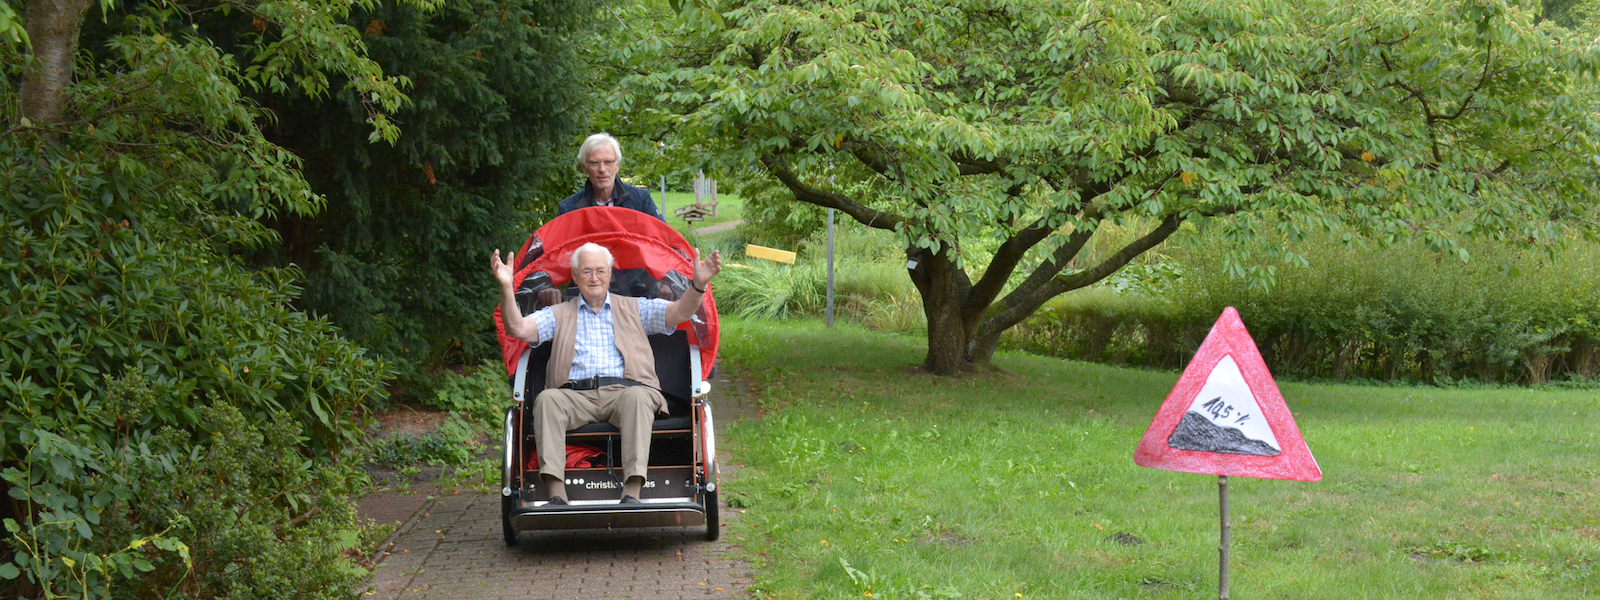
662	424
672	370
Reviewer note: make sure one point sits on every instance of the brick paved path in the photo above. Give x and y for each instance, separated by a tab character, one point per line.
450	548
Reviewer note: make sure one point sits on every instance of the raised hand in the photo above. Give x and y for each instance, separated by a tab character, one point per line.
685	306
503	272
706	268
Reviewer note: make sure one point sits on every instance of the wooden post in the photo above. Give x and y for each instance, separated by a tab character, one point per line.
1222	548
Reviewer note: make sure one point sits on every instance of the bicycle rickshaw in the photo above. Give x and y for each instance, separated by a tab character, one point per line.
680	490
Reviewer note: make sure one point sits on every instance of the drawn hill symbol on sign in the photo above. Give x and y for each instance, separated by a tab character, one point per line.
1196	432
1224	417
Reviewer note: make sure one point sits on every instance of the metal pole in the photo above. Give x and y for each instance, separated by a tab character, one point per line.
1222	548
830	268
661	150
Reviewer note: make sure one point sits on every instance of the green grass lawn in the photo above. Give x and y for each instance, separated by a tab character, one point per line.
867	478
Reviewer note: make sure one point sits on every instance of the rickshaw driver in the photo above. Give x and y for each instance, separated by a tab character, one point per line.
604	358
600	159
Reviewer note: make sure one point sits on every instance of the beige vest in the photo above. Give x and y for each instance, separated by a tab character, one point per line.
638	361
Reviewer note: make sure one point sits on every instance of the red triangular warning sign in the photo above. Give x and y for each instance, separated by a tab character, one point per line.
1226	417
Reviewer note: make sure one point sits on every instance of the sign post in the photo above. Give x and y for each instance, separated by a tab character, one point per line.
1225	417
1222	546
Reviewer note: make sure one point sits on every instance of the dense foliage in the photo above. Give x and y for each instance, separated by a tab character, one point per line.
500	93
172	426
998	137
155	388
1563	11
1399	312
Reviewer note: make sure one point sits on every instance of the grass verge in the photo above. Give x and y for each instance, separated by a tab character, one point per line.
868	479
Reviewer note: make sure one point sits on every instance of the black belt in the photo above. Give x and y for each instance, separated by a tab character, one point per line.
595	383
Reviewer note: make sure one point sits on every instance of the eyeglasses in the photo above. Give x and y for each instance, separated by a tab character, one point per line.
594	273
595	164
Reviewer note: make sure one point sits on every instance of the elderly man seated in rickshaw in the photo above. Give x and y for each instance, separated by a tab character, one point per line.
602	354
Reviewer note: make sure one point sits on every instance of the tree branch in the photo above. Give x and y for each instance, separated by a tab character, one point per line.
867	156
1427	111
1026	300
1488	59
298	520
968	165
1159	234
1033	292
862	214
1006	257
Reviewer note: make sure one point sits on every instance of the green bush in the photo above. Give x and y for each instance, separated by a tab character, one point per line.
1401	312
172	427
475	398
731	242
1102	324
242	515
450	444
478	395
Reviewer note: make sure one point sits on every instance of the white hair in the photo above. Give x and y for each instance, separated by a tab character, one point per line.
594	142
591	247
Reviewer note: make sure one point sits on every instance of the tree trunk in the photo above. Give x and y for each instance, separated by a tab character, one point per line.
940	281
53	27
983	346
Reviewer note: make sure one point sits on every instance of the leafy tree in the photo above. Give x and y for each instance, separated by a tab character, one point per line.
1561	11
500	92
996	137
171	425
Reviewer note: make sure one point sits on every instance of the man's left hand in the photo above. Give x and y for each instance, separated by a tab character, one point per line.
706	268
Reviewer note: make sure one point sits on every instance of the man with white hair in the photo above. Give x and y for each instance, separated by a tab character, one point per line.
601	367
599	158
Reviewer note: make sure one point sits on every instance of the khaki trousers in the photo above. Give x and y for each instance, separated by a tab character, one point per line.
630	408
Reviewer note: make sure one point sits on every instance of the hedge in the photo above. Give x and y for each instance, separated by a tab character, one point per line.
1399	312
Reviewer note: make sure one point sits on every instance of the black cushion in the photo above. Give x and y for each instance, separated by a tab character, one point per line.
663	424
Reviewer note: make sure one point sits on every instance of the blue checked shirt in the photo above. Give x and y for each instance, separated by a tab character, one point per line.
596	342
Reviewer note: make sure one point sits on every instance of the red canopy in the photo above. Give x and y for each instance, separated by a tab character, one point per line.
636	241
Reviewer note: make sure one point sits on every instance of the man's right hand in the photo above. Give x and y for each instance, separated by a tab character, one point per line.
510	314
503	272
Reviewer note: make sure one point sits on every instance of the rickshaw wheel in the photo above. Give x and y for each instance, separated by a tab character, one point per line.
713	526
506	503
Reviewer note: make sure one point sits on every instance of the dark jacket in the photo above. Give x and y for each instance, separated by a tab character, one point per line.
622	194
